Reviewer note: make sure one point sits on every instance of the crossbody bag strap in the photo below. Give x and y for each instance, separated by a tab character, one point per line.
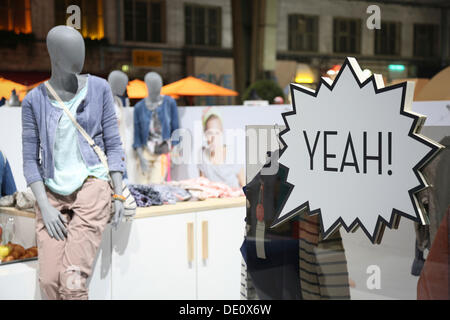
101	155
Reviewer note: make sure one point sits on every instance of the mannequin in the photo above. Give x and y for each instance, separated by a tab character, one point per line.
67	52
14	99
152	101
118	81
159	109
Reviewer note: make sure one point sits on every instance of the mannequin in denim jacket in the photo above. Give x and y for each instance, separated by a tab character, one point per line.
152	101
66	48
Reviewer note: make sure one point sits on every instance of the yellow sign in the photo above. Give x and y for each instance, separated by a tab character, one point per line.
147	58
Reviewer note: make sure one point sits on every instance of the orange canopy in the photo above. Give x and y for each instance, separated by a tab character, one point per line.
137	89
7	86
191	86
30	87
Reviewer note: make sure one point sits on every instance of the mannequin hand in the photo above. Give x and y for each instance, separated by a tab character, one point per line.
176	154
119	207
53	219
144	165
54	222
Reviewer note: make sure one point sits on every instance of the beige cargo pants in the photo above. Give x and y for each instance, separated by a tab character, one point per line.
64	266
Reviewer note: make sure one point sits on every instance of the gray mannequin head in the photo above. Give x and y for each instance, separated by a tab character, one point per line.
118	81
154	84
66	49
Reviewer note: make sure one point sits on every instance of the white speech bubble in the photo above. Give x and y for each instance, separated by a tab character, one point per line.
354	153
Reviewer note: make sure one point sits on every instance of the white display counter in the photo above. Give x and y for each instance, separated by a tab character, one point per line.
189	250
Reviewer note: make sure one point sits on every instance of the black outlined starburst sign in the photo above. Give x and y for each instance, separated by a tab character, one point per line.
354	153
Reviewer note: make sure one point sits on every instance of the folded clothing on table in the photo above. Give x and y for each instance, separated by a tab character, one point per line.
21	200
157	194
202	188
174	191
172	194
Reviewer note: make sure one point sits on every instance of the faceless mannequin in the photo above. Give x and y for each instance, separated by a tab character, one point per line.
154	99
66	48
154	85
118	81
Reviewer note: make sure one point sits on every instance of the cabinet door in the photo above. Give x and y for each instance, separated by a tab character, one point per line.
219	237
19	281
153	258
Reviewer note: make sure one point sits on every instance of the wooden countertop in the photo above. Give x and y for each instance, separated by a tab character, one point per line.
164	210
16	212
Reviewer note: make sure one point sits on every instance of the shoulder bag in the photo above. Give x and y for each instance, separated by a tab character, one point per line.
130	203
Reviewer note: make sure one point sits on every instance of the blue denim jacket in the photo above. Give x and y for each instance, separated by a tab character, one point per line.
7	183
96	114
167	114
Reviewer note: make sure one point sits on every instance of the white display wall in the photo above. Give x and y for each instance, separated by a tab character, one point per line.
233	117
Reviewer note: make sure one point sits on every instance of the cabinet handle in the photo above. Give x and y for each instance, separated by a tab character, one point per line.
205	240
190	241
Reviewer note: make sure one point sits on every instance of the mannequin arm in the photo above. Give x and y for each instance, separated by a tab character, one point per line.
144	165
174	120
53	219
116	177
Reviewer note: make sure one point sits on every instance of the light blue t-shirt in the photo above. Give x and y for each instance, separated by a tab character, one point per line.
70	168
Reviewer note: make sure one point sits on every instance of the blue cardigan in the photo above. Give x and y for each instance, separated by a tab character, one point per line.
96	114
167	114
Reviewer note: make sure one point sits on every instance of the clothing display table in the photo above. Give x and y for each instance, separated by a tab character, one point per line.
189	250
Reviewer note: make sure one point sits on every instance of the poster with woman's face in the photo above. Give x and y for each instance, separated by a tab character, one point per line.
213	143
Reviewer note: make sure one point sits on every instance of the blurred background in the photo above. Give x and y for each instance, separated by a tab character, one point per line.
255	47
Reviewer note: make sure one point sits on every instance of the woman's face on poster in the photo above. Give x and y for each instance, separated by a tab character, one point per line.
214	132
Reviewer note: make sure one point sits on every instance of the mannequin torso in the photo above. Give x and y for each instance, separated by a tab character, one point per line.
153	100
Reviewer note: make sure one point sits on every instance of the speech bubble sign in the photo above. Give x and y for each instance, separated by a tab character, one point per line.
354	153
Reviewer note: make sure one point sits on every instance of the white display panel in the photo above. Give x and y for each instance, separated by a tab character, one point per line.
235	117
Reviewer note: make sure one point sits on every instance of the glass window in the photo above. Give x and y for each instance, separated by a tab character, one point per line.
203	25
92	22
347	35
387	39
303	32
426	40
144	20
15	15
